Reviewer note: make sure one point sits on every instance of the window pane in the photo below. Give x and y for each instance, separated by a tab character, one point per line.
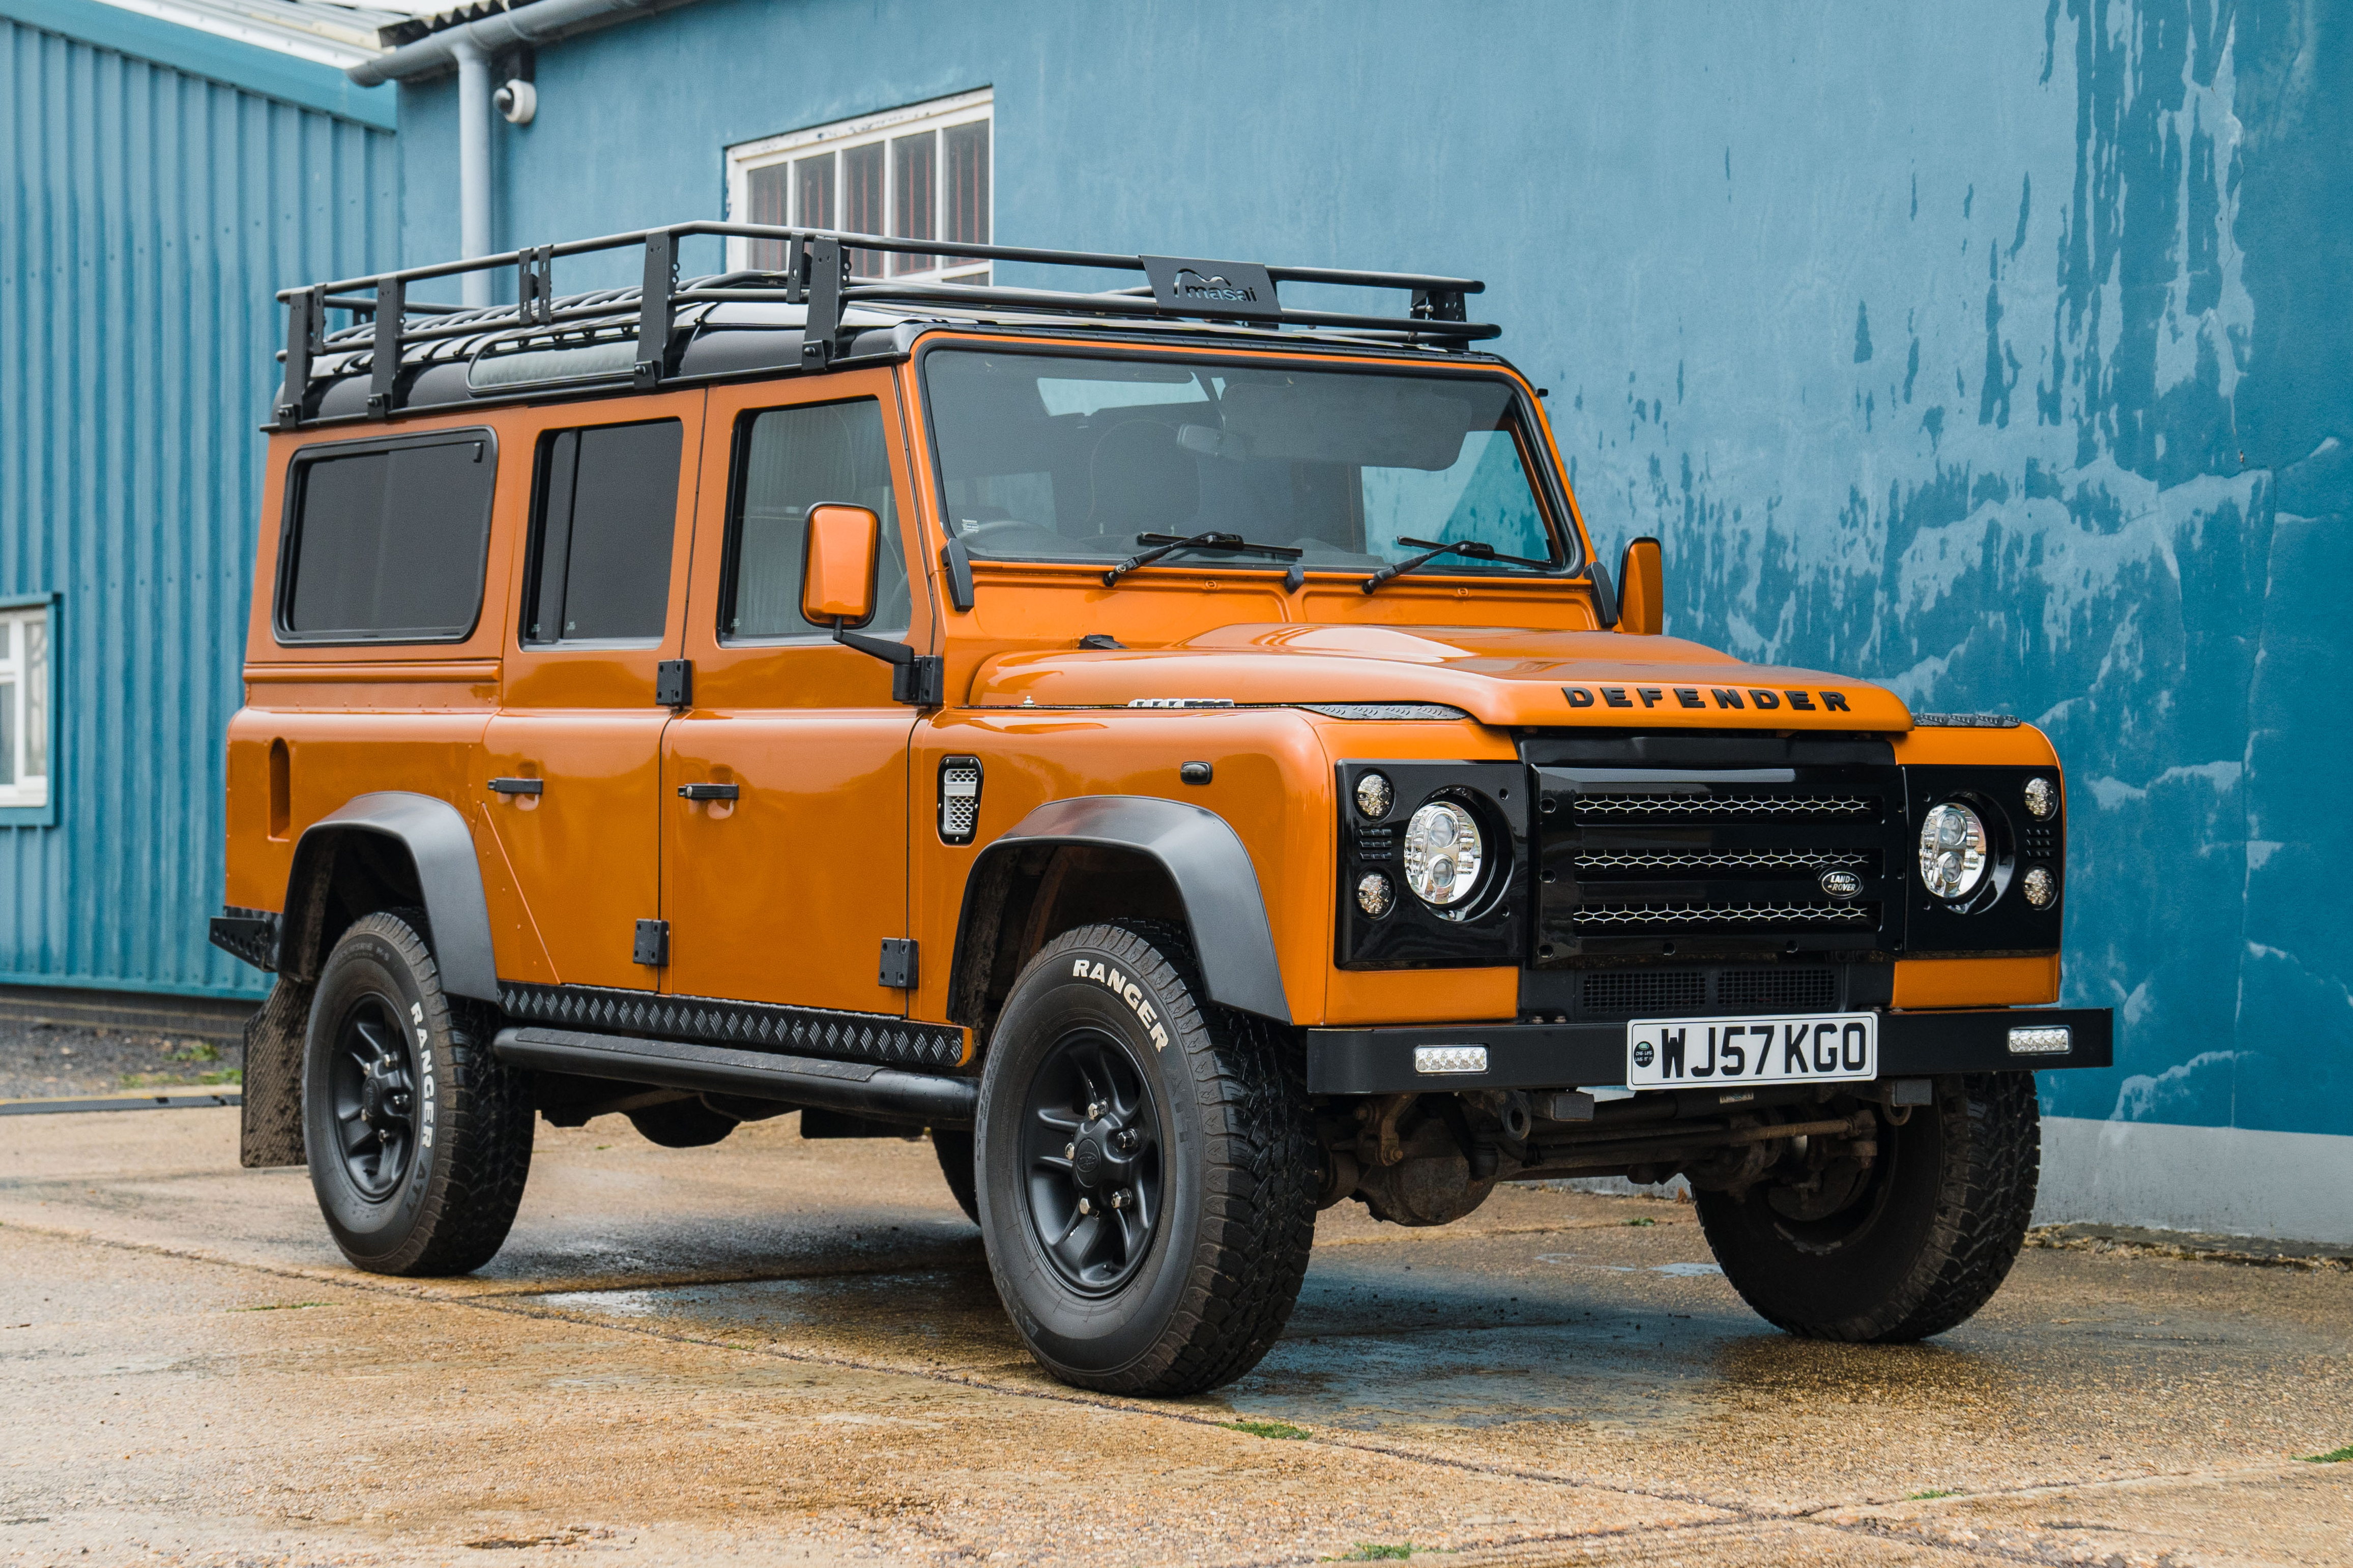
7	731
813	180
36	669
793	458
767	187
967	185
914	200
601	547
389	546
861	203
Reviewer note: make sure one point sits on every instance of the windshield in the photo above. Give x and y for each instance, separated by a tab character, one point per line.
1053	458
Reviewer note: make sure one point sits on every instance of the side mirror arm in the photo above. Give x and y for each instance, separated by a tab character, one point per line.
917	678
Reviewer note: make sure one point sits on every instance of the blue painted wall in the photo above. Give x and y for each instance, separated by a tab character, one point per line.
160	184
1998	351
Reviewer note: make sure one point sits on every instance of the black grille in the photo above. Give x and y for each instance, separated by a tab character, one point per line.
1709	862
1661	993
1640	993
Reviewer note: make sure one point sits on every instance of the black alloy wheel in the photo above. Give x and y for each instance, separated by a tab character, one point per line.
1091	1150
1145	1164
372	1083
418	1138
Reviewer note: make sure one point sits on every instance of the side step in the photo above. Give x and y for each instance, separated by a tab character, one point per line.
860	1088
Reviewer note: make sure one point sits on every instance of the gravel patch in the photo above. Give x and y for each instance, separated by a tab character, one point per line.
59	1061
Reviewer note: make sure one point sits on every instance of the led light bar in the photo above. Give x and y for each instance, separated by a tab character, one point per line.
2042	1040
1441	1059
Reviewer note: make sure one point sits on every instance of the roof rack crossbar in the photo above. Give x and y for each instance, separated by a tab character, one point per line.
817	274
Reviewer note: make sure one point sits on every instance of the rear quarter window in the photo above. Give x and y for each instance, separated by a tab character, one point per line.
388	541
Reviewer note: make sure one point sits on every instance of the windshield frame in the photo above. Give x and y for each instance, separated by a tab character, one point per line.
1563	522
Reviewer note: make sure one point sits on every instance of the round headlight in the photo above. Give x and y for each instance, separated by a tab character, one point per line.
1443	852
1952	851
2040	888
1375	894
2042	798
1373	796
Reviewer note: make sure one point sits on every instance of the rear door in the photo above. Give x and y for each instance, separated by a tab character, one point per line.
786	893
573	760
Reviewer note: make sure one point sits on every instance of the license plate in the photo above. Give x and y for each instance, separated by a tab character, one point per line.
1700	1052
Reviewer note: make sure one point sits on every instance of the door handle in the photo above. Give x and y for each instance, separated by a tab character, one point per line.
709	792
518	786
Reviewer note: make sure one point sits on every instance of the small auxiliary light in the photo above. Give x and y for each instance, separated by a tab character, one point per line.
2042	1040
2040	888
1437	1059
2042	798
1373	796
1375	894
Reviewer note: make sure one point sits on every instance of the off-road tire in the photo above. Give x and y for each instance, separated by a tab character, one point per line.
463	1179
954	1148
1925	1246
1237	1160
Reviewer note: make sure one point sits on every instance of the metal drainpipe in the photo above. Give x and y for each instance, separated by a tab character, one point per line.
473	162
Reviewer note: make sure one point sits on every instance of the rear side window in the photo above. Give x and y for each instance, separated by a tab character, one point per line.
387	543
600	536
786	461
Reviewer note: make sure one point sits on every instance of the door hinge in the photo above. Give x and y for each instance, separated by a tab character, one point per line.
899	970
922	681
653	944
674	683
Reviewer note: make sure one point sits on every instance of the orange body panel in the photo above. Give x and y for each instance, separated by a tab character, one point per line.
1977	982
783	893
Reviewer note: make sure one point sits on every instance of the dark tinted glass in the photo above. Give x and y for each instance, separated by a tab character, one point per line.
601	540
791	459
389	546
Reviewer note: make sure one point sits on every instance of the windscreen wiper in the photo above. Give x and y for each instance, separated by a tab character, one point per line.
1167	544
1430	551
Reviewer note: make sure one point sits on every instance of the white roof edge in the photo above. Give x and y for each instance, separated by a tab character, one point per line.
333	35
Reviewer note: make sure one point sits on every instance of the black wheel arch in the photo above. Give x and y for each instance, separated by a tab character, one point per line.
1074	862
390	850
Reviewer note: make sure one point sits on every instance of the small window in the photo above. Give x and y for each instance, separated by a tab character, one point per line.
917	172
602	522
786	461
388	543
25	707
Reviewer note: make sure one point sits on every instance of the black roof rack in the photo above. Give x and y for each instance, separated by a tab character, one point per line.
816	274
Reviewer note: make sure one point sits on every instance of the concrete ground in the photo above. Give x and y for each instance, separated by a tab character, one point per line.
789	1351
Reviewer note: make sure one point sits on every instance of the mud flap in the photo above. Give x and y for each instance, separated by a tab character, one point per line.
269	1126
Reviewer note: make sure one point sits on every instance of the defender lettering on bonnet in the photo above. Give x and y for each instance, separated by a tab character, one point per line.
1127	990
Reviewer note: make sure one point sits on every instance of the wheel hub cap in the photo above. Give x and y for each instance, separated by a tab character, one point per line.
1090	1145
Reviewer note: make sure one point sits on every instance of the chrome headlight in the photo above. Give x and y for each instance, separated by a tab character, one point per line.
1443	852
1953	851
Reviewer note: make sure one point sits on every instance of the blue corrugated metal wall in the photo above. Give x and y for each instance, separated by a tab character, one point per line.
1996	352
150	212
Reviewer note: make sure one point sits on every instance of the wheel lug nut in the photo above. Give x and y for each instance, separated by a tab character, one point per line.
1119	1200
1070	1151
1085	1207
1094	1110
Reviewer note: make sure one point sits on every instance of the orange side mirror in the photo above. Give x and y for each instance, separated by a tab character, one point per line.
837	565
1641	606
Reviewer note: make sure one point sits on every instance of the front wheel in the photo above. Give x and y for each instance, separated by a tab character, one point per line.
1147	1169
1909	1247
418	1138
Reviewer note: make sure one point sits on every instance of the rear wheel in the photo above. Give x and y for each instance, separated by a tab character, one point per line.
1914	1245
1148	1168
419	1139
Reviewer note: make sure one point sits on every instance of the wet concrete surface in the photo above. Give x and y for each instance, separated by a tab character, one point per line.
780	1350
61	1061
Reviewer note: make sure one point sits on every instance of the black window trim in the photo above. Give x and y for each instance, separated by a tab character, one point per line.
289	529
739	440
534	537
1560	515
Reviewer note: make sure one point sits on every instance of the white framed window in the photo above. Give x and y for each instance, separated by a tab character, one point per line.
923	171
25	706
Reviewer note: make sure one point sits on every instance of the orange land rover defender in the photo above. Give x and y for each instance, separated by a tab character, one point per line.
1182	749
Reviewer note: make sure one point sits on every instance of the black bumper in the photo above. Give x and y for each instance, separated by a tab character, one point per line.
1576	1056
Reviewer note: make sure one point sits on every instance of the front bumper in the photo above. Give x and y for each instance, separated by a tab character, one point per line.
1578	1056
